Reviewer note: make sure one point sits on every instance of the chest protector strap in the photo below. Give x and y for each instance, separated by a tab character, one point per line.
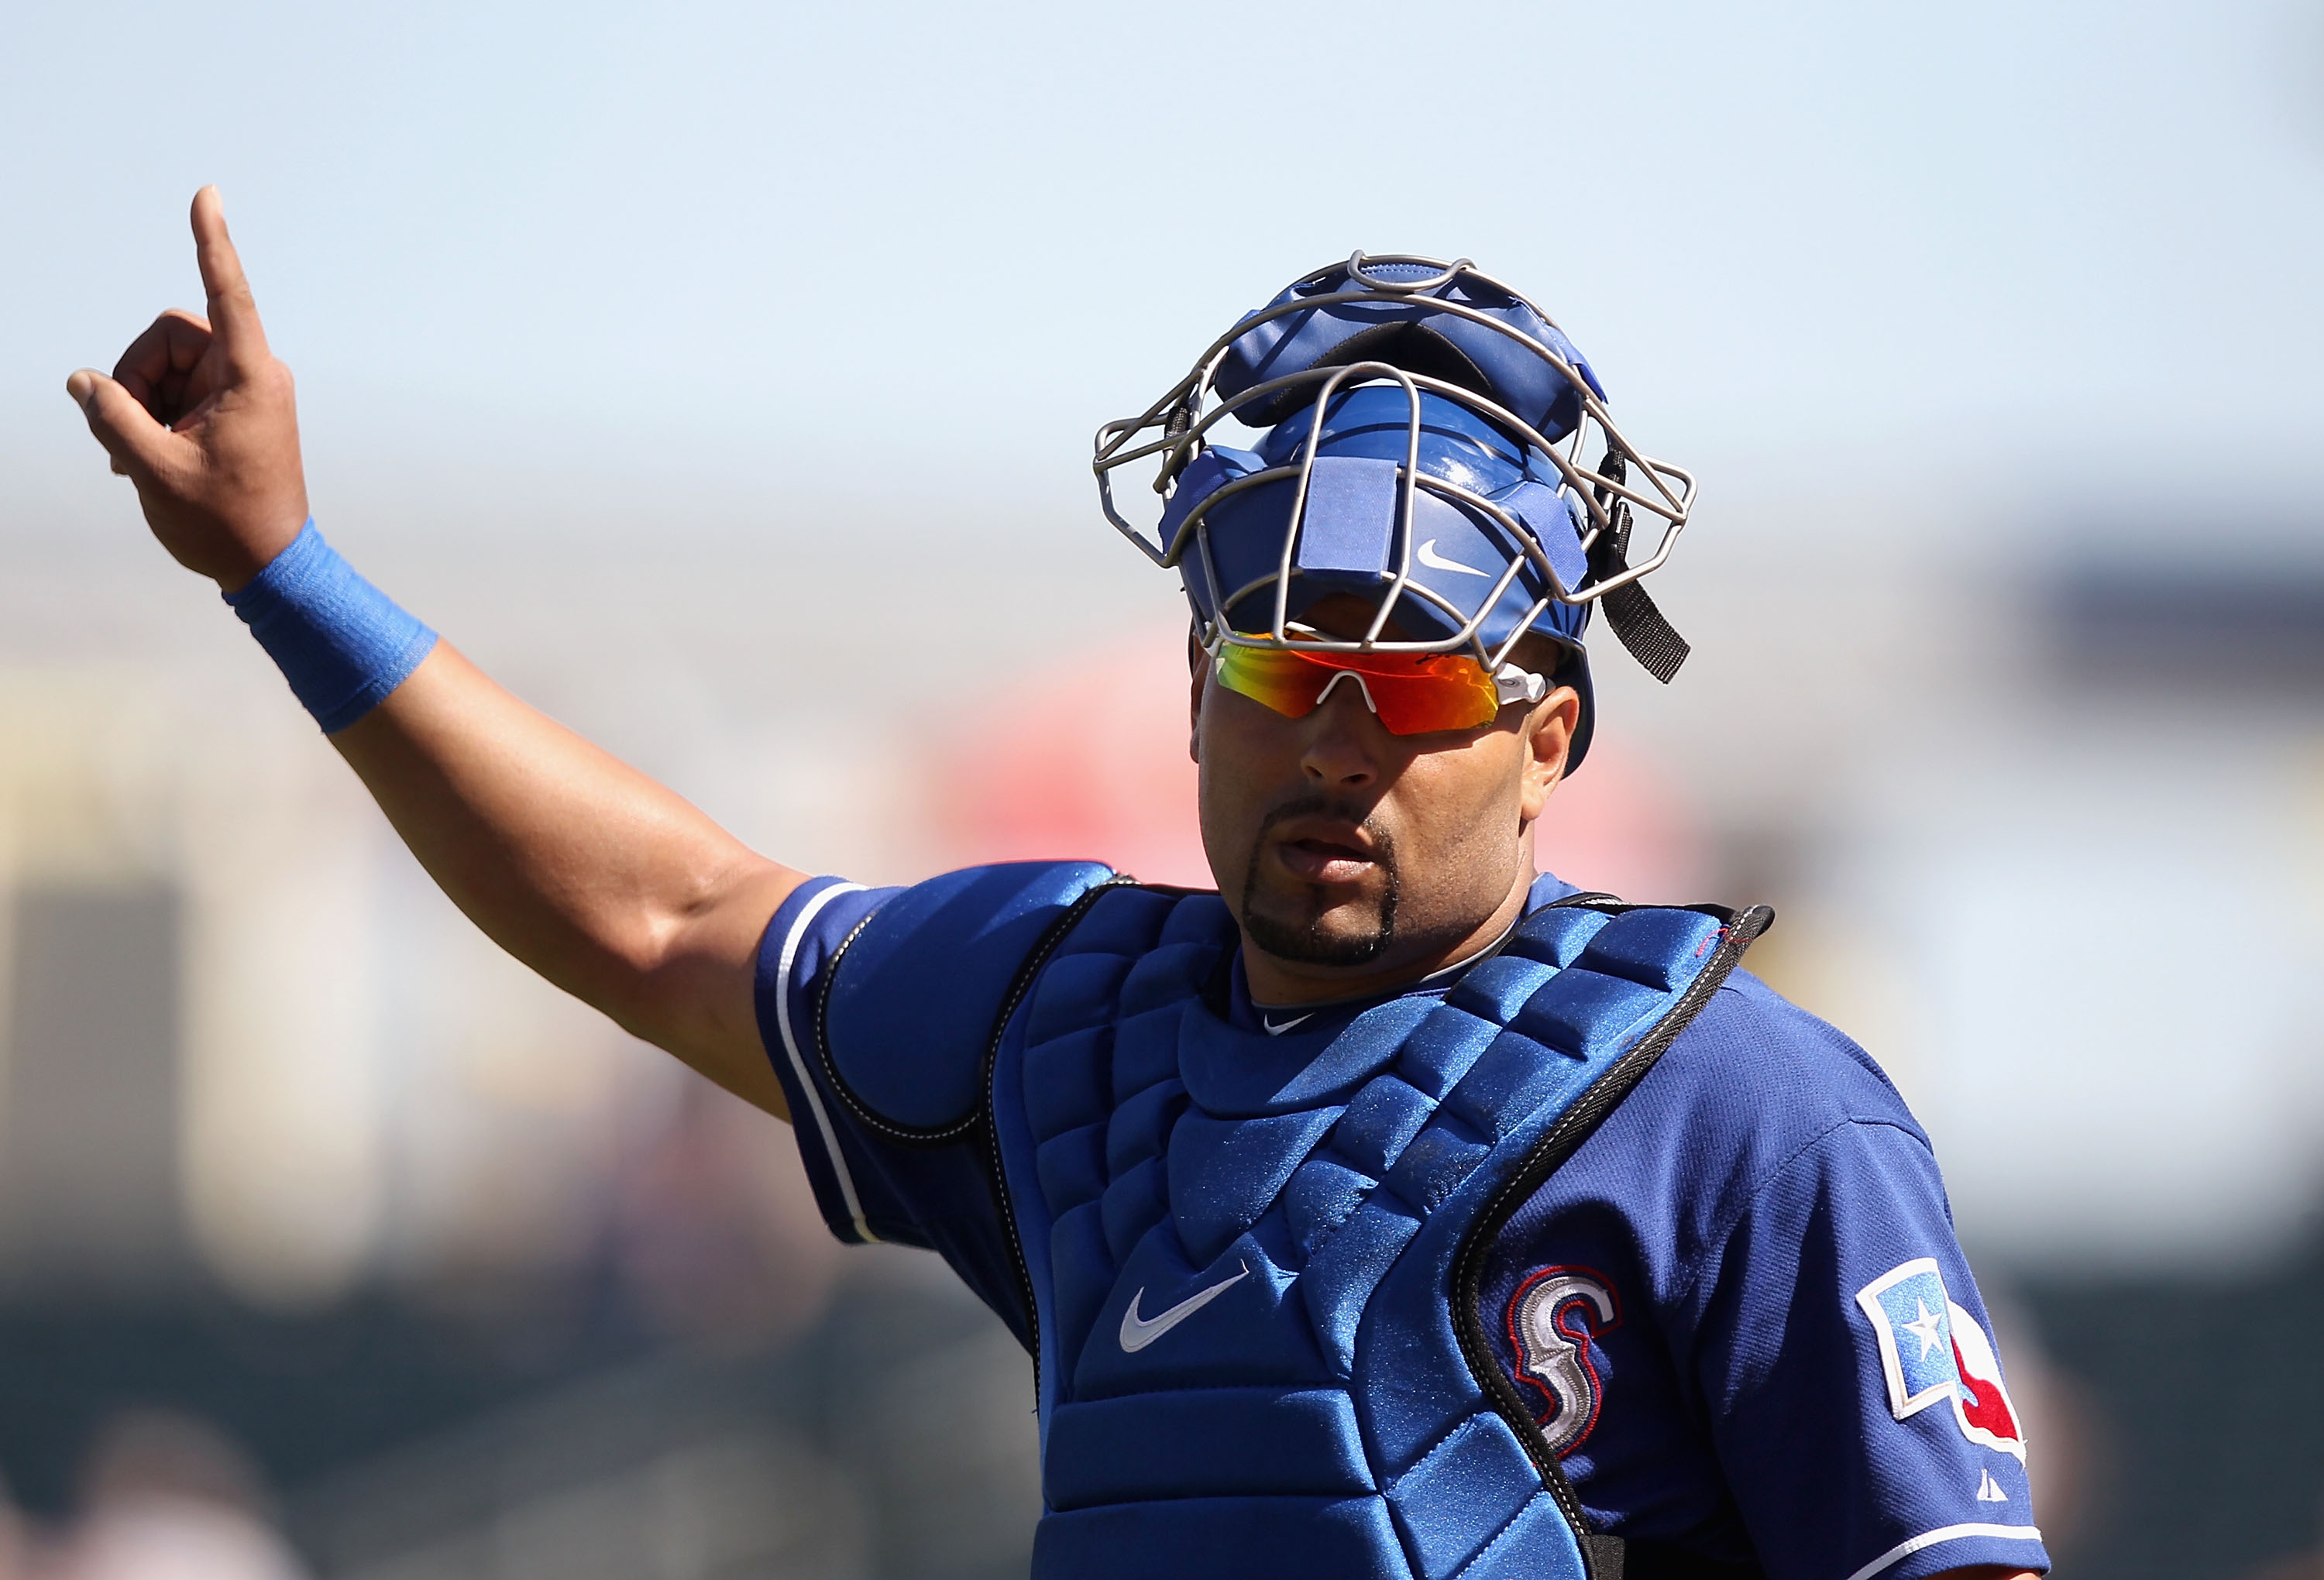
1253	1264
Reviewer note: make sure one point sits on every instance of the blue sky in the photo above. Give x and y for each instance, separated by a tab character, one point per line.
907	248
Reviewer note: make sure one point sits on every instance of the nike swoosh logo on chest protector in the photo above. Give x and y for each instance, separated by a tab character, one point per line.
1138	1332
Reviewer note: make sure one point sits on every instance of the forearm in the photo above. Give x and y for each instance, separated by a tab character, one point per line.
607	883
598	878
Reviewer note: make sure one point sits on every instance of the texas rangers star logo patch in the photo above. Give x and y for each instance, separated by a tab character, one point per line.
1552	1316
1933	1352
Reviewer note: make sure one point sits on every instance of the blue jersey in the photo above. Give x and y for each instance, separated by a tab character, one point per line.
1738	1312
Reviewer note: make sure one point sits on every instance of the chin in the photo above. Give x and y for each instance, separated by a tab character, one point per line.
1354	932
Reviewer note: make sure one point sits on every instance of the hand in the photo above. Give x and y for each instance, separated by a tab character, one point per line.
200	418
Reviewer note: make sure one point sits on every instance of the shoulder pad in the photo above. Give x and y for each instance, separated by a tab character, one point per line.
912	998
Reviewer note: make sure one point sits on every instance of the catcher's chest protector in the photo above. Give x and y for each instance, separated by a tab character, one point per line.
1254	1266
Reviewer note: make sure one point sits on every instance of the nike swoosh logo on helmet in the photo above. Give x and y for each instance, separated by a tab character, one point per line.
1138	1332
1429	557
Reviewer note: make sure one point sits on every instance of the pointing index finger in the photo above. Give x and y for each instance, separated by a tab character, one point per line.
232	313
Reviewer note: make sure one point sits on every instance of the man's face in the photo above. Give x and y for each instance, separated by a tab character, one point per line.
1349	853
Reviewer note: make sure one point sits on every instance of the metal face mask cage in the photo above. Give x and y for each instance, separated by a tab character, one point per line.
1600	499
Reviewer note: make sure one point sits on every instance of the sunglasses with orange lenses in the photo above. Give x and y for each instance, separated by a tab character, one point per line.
1413	693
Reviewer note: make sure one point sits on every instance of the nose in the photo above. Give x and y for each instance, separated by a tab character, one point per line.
1340	751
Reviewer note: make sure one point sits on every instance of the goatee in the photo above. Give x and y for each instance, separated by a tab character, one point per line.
1306	943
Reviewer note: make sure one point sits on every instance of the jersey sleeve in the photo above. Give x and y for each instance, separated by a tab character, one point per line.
1856	1401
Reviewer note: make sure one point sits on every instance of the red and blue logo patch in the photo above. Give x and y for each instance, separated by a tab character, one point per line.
1553	1319
1933	1352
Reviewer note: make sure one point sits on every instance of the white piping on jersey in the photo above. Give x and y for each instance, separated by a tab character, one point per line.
799	1065
1929	1538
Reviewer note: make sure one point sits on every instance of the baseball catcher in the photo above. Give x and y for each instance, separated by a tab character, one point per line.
1396	1209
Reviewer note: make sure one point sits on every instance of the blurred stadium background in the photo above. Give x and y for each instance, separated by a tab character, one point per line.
690	367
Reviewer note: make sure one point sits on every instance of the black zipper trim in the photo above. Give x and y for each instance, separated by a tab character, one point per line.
864	1113
1563	1139
1614	905
994	1174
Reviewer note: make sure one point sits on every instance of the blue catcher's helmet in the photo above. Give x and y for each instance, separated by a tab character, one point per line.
1423	441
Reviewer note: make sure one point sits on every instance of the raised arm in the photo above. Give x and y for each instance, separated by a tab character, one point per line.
605	883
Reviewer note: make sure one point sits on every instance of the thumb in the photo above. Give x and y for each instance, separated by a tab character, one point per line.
128	432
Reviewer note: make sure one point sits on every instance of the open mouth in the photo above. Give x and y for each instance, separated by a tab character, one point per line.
1325	858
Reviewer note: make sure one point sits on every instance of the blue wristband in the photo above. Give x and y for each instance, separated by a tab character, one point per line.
341	642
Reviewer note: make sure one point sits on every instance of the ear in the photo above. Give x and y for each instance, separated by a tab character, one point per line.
1549	738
